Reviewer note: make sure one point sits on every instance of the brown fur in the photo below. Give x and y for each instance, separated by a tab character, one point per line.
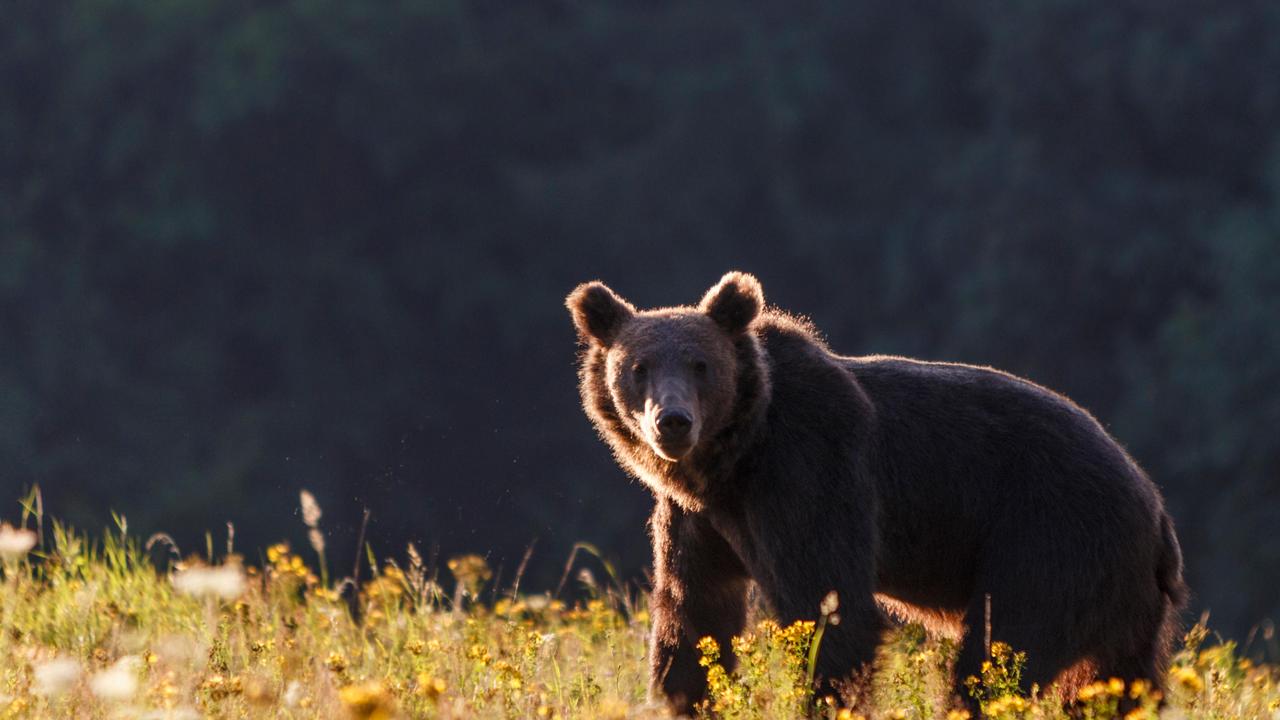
917	488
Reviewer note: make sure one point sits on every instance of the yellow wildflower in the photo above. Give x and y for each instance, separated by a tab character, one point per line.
336	662
277	551
368	701
471	571
1188	678
430	687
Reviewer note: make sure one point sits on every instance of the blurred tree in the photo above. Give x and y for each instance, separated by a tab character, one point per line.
252	247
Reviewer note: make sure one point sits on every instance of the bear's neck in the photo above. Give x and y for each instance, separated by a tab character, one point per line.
696	481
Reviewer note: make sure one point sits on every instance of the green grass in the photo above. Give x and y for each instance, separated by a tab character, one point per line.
89	629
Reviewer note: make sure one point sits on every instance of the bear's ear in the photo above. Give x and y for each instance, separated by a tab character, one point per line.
598	312
734	302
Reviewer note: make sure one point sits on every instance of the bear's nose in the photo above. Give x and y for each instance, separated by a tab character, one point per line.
674	424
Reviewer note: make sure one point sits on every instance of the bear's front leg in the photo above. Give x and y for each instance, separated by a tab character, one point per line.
699	591
800	559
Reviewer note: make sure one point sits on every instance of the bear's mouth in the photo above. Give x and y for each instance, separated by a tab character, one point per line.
672	450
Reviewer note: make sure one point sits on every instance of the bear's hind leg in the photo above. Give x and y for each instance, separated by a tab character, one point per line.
1023	626
1148	662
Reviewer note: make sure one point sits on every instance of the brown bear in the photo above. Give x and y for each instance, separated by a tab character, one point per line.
934	492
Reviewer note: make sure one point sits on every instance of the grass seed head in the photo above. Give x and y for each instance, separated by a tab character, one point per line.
310	509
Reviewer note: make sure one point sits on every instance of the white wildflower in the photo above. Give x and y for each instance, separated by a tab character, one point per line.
55	677
118	682
225	581
292	694
15	542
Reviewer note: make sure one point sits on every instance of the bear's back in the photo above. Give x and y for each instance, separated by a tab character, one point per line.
984	451
961	454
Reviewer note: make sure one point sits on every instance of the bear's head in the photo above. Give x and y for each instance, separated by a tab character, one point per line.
663	385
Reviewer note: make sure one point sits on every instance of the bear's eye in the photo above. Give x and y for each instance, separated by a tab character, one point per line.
700	367
640	372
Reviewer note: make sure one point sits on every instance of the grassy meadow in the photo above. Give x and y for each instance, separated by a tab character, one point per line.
89	628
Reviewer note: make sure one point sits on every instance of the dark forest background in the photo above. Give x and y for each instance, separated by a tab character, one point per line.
253	247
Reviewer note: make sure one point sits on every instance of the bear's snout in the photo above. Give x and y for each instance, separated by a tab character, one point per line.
673	432
674	425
